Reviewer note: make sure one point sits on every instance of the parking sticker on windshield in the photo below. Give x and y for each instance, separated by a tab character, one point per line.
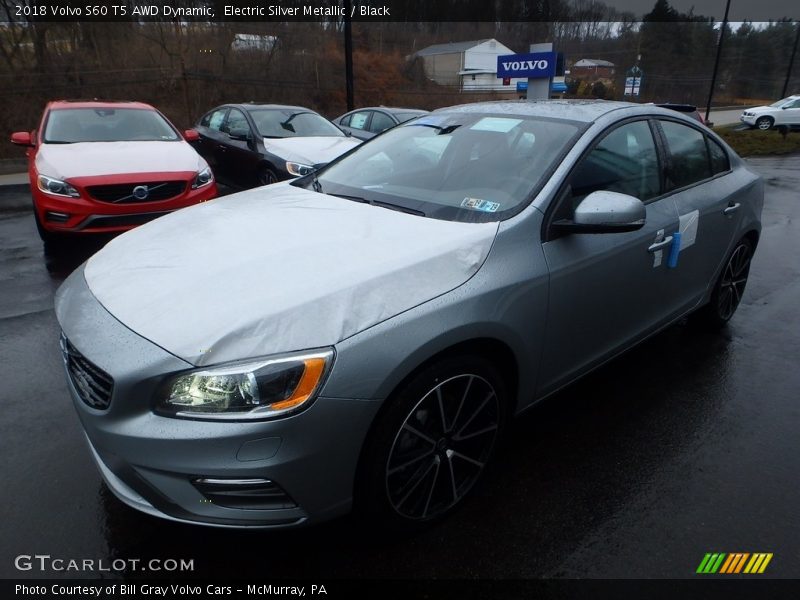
499	124
478	204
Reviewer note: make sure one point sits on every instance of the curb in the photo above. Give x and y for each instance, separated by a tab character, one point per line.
15	197
13	165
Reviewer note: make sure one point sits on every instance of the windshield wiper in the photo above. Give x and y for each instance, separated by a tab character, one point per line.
398	207
287	124
441	130
381	204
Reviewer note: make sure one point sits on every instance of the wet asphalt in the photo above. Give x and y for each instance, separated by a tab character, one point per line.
688	444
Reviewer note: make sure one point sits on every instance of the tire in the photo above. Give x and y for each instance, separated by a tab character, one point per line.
728	290
765	123
431	445
266	176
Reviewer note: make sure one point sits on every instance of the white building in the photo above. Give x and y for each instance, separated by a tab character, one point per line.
245	42
472	66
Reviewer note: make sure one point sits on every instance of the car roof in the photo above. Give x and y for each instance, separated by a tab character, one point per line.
390	109
574	110
59	104
253	105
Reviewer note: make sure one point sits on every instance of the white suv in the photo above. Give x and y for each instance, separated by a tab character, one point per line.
783	112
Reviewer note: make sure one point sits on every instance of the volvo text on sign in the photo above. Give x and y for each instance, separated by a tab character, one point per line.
534	65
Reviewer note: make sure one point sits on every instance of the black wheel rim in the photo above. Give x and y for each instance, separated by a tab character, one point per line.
442	447
734	279
267	177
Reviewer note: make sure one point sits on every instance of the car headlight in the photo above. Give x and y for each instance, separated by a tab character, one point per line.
299	169
257	389
204	177
48	185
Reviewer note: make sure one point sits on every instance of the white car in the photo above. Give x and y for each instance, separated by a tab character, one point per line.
783	112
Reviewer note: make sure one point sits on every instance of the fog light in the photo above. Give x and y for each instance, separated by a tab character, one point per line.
56	217
251	493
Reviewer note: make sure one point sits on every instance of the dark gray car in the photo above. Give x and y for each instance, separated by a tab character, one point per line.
361	335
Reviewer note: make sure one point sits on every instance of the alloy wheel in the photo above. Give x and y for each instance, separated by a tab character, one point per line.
266	176
764	123
442	447
734	279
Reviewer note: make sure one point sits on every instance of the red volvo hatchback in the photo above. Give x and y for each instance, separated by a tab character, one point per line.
109	166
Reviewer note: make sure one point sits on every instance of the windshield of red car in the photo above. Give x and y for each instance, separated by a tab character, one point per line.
73	125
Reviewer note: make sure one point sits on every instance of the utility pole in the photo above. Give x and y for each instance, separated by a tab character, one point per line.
791	62
716	62
348	55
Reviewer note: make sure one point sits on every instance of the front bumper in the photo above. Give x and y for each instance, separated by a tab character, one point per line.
152	463
87	215
748	120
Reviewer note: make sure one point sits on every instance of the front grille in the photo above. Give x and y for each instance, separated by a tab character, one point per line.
94	386
125	193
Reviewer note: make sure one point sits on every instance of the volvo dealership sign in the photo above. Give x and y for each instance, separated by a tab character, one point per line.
536	65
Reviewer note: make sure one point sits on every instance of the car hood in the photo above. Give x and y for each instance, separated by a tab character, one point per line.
87	159
310	150
759	110
278	269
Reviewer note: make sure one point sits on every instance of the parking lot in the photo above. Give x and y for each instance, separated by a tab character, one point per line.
688	444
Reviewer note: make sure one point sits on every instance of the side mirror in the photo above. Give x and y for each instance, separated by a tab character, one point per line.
239	133
22	138
605	212
190	135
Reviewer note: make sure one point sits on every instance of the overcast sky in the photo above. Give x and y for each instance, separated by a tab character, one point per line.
741	10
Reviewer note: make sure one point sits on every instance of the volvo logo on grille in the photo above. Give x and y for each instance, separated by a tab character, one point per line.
140	192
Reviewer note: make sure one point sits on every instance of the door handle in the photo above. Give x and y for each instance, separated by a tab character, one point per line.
661	245
731	209
221	147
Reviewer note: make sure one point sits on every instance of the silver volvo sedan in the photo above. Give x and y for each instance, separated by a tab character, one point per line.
360	337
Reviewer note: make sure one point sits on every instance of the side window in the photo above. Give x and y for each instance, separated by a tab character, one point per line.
345	121
216	118
380	122
624	161
359	120
237	121
688	160
719	158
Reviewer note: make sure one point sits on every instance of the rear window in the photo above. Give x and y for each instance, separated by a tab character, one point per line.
719	158
688	155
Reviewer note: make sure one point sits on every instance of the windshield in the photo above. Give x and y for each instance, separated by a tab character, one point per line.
402	117
71	125
780	103
282	123
458	167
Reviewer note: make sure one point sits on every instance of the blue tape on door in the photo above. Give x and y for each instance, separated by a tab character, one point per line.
674	250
